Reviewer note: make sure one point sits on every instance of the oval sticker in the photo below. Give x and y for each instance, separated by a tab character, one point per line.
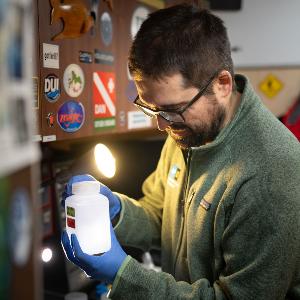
106	28
70	116
73	80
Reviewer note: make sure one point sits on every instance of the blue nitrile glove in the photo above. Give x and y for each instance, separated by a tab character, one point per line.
114	201
103	267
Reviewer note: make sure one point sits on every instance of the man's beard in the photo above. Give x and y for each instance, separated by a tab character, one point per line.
200	133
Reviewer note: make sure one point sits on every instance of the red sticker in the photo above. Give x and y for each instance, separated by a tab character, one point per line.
104	94
71	222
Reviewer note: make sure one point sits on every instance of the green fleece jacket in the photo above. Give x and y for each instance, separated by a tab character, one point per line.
226	216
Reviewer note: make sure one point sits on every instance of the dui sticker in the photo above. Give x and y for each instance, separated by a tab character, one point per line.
51	88
73	80
70	116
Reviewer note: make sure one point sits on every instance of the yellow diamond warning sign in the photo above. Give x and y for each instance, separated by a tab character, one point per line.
271	86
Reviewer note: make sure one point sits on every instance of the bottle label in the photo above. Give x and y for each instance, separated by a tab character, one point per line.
70	211
71	222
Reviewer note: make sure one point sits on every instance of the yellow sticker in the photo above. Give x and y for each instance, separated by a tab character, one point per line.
159	4
271	86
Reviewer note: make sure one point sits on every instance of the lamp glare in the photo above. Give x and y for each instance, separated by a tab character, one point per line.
46	255
105	161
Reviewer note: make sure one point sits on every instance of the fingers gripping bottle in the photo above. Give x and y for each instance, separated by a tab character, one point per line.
87	215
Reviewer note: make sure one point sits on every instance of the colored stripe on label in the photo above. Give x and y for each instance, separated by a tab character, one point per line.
70	211
206	205
71	222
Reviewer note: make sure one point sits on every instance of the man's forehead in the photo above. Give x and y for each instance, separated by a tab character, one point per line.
173	81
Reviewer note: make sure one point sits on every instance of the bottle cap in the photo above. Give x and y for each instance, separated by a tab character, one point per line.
86	187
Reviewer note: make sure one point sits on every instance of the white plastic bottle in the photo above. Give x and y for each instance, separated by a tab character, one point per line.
87	215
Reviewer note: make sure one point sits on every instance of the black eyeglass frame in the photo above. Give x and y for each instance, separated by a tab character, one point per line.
165	114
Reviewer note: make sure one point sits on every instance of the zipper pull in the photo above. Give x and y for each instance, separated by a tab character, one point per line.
191	197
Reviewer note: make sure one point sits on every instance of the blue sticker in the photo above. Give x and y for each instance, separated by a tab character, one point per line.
106	28
85	57
131	91
70	116
52	88
103	57
20	231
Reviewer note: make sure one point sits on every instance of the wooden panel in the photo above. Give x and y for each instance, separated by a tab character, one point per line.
121	16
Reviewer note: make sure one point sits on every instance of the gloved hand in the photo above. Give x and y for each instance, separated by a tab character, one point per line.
114	201
103	267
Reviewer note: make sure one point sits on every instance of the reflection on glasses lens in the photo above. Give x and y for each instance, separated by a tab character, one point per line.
172	117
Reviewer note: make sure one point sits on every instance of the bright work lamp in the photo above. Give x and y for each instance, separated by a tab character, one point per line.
105	161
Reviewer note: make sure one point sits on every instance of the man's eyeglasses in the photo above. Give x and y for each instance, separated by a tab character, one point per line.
171	115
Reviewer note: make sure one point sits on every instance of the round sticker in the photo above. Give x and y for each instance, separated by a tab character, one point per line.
139	16
70	116
73	80
106	28
51	88
20	236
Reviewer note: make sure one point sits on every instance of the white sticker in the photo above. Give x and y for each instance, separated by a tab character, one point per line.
73	80
37	138
50	56
138	17
137	119
49	138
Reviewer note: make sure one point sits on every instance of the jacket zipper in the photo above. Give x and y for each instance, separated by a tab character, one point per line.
182	207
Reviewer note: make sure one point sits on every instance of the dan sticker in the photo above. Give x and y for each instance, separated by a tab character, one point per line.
73	80
70	116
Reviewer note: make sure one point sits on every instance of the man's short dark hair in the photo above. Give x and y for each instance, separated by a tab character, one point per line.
184	39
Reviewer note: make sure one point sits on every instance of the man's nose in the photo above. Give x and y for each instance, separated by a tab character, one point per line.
162	124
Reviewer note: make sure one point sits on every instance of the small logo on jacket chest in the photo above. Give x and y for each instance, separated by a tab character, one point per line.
173	175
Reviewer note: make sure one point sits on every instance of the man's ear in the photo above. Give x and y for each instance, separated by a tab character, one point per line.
224	84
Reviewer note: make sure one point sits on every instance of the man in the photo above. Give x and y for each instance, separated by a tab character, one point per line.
223	204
